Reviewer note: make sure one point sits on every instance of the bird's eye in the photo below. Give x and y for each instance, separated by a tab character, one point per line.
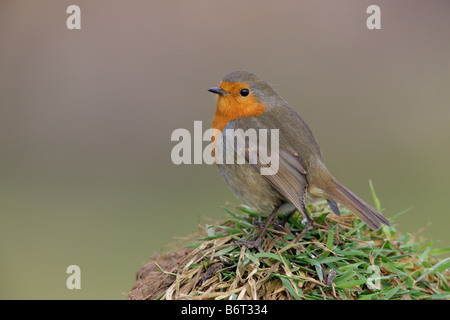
244	92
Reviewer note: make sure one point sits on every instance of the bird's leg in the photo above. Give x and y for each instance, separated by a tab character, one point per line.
307	217
281	225
257	243
285	219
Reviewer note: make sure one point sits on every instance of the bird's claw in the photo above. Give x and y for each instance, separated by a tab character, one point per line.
251	244
277	226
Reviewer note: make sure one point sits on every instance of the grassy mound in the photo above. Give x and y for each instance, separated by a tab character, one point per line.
335	258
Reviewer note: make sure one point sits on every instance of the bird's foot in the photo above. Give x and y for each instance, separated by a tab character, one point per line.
259	223
281	226
251	244
277	226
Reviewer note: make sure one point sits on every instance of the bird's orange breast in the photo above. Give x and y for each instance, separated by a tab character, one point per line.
233	106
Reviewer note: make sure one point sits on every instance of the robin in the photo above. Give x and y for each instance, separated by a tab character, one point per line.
247	102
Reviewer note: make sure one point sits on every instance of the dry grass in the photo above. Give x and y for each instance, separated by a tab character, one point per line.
335	258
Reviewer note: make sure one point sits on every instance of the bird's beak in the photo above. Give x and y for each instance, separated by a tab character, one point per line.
217	90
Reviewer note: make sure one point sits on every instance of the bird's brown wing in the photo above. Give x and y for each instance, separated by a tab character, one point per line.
290	178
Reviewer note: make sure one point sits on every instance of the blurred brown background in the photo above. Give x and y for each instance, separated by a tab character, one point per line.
86	118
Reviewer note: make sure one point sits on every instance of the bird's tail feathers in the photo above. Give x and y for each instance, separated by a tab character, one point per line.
355	204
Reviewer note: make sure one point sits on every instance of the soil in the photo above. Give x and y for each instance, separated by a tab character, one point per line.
151	281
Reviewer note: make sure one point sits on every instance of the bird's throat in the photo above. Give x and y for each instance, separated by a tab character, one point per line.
230	108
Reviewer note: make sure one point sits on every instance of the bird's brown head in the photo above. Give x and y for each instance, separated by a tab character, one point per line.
240	94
